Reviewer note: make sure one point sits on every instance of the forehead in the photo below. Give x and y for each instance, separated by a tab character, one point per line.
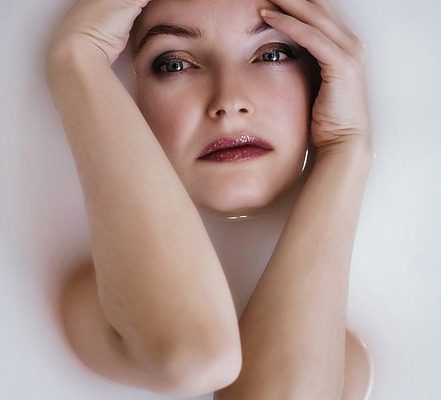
208	6
224	15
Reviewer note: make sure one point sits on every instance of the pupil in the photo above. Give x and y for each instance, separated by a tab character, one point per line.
174	64
273	55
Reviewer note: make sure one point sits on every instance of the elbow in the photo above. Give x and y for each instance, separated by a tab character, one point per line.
196	368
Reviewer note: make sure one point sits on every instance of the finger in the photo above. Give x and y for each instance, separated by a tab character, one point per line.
326	51
316	16
329	10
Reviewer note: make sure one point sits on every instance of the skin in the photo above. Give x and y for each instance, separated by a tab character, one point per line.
224	74
299	304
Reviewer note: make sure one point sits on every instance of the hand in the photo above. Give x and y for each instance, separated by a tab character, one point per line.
103	25
340	112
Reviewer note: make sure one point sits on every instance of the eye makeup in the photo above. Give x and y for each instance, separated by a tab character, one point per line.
176	59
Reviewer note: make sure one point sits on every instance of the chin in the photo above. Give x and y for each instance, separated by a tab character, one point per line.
235	203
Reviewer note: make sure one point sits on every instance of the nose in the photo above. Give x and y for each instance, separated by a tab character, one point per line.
230	95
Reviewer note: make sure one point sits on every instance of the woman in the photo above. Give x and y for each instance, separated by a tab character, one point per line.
155	309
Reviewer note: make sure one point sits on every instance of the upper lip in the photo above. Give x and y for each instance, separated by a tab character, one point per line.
242	139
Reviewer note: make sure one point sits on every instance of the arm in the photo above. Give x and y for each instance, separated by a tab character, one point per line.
293	328
159	280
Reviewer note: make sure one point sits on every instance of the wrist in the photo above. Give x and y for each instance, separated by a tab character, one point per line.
357	151
70	56
358	143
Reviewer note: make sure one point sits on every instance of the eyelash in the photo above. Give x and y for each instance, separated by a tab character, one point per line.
282	48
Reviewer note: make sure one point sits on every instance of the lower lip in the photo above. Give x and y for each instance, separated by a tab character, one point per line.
236	154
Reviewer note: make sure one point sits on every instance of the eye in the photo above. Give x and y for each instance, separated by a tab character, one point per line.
173	64
271	54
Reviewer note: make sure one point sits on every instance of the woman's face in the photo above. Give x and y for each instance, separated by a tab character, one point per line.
228	83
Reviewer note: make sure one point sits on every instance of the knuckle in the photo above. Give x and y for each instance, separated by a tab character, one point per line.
133	2
350	67
354	36
315	37
358	52
355	56
355	51
316	11
357	41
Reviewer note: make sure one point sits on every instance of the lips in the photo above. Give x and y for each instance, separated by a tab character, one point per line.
229	143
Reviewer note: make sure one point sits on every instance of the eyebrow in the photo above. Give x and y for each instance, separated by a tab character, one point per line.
190	33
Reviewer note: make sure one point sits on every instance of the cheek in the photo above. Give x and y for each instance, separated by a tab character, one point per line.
173	108
168	113
286	83
288	99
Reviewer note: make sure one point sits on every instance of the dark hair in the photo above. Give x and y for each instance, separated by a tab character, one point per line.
313	71
134	31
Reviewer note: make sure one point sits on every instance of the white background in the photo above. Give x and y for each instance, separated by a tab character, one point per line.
395	292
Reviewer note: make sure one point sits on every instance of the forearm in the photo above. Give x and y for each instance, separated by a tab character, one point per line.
294	324
159	279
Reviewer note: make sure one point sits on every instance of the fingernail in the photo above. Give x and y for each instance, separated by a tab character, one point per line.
269	13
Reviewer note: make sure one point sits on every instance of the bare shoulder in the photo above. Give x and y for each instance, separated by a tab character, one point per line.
90	334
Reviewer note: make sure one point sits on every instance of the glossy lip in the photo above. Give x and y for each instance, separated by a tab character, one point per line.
227	142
